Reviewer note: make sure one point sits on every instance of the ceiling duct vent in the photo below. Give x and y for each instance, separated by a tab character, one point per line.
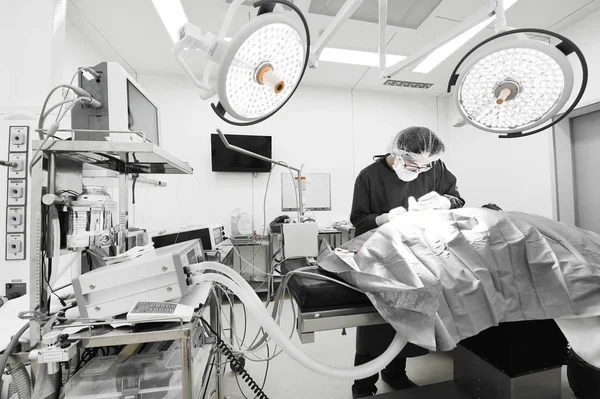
402	14
410	85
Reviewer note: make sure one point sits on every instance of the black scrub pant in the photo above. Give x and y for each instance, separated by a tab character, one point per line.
372	341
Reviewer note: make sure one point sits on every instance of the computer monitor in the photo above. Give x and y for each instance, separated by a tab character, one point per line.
125	107
226	160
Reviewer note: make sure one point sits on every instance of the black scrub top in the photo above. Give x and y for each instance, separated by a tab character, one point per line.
378	190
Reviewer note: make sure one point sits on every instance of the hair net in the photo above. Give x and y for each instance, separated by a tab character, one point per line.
418	143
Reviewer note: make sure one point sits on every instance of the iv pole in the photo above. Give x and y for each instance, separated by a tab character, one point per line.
257	156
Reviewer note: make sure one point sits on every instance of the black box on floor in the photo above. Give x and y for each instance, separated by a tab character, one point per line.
520	348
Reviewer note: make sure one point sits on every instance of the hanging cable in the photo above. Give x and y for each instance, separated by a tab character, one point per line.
237	366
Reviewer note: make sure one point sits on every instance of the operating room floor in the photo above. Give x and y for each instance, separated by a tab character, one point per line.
288	379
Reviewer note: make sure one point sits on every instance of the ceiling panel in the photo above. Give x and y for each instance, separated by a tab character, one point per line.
133	32
403	14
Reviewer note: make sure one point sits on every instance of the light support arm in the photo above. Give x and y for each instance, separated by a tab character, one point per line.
229	18
265	159
383	7
486	11
349	7
500	25
192	37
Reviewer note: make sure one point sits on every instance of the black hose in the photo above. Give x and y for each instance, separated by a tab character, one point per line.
236	365
22	380
12	390
13	342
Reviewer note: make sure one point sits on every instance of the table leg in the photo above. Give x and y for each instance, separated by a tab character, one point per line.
186	368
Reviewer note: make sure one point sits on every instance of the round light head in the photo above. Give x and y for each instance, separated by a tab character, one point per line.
514	86
261	67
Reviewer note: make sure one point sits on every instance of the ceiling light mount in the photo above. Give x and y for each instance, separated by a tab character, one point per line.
506	91
516	87
265	75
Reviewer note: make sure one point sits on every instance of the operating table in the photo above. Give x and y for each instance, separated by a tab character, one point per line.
513	360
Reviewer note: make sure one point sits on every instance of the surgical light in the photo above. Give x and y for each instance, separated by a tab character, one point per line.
256	72
262	67
515	87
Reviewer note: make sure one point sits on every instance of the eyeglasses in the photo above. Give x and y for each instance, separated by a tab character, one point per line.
411	167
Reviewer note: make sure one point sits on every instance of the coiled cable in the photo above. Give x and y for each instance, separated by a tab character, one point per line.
236	364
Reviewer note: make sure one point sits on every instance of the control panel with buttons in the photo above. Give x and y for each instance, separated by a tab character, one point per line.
160	310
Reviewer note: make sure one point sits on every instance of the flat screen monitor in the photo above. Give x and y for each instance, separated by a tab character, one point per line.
224	160
142	113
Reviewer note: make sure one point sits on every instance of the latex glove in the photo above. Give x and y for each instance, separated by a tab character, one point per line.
394	213
382	219
430	201
391	215
412	204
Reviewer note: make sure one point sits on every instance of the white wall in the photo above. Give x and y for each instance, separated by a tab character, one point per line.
586	35
327	130
515	174
79	52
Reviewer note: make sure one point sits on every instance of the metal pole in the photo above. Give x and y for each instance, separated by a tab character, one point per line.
383	6
334	26
186	367
301	203
284	165
51	172
251	154
35	252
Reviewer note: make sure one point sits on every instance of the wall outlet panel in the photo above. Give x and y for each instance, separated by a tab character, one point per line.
16	192
15	219
20	171
18	138
15	246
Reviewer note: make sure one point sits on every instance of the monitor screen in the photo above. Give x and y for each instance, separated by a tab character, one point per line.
143	115
224	160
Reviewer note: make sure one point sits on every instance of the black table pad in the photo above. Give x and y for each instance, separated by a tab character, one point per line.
313	294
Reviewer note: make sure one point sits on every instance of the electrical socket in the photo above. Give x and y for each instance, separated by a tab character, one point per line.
18	138
16	192
20	170
15	219
15	246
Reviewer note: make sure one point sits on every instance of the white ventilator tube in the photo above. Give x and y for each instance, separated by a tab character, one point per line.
242	290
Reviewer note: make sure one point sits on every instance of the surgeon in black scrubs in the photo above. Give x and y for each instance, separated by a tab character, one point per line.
383	191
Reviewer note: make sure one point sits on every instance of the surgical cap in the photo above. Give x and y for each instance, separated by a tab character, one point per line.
419	143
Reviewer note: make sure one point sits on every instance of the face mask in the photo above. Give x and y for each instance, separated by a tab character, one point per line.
402	173
405	175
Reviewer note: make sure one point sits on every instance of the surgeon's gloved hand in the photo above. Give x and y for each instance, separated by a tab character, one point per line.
382	219
430	201
394	213
391	215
